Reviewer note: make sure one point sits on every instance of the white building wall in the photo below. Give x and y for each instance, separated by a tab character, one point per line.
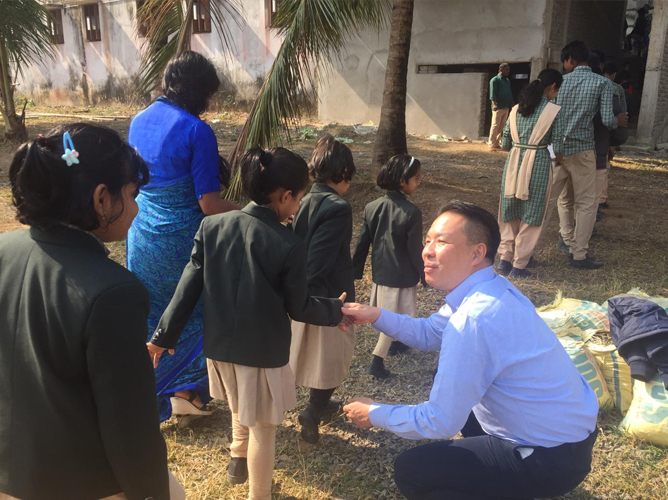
87	72
444	32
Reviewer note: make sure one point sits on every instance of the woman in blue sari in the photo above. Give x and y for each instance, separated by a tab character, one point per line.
185	177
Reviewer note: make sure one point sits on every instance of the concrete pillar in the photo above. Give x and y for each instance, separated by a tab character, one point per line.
653	120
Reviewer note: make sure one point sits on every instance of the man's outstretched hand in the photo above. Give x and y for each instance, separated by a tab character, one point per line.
357	410
360	314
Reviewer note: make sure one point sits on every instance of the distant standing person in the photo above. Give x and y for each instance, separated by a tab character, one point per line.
581	96
527	177
501	96
392	227
320	356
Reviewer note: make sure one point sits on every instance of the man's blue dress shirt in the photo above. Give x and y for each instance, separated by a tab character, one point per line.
497	358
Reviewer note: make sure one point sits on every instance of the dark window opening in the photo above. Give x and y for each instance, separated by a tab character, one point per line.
271	9
201	16
56	27
92	20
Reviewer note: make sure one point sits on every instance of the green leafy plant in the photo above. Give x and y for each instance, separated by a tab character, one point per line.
315	33
24	39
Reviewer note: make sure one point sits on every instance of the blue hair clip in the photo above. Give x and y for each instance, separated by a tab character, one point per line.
71	155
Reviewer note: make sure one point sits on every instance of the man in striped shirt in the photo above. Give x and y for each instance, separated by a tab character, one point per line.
581	96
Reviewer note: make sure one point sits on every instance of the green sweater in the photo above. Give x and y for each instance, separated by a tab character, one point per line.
500	92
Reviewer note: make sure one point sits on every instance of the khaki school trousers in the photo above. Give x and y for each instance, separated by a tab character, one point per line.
176	492
578	203
519	240
499	118
602	177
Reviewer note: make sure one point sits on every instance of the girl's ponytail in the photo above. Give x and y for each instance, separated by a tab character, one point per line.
263	172
38	181
252	169
532	94
47	191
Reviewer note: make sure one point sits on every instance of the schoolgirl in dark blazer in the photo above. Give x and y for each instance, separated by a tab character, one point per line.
320	357
79	417
250	270
392	226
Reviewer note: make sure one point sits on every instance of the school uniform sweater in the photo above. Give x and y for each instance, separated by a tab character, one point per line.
393	226
325	223
78	414
250	271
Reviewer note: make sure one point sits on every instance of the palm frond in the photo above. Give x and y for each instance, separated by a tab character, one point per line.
24	32
315	32
170	22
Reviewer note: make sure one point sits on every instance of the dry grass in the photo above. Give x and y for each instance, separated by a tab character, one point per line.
353	464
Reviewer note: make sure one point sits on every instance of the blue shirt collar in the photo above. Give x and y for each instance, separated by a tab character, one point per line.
455	298
582	68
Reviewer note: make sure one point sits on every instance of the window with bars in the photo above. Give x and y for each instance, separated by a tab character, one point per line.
56	26
92	20
271	9
201	16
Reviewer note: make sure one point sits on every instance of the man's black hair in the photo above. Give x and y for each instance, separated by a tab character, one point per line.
481	226
577	50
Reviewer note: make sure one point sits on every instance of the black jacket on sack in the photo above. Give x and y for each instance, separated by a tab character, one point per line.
639	329
250	271
325	222
78	412
393	226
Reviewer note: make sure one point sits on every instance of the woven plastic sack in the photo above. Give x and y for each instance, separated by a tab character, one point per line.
579	319
586	364
647	418
616	373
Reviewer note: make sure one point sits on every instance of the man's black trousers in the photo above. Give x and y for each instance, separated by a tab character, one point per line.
483	467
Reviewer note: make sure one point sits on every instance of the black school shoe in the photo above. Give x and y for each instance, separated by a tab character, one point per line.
237	471
562	246
503	267
333	408
587	263
519	273
377	368
397	347
310	421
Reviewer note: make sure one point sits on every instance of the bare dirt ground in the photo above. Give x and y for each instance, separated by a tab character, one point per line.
353	464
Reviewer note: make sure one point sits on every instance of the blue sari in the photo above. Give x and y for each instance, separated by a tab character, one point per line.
158	248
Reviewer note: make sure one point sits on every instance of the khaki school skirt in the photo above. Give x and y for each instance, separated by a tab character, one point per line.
398	300
256	394
320	356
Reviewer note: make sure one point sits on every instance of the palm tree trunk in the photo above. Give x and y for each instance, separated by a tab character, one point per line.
15	128
391	136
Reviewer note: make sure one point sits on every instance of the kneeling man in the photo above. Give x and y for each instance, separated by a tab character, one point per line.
527	415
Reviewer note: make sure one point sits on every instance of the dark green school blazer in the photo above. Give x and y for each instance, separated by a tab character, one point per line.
78	411
393	226
325	222
250	271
